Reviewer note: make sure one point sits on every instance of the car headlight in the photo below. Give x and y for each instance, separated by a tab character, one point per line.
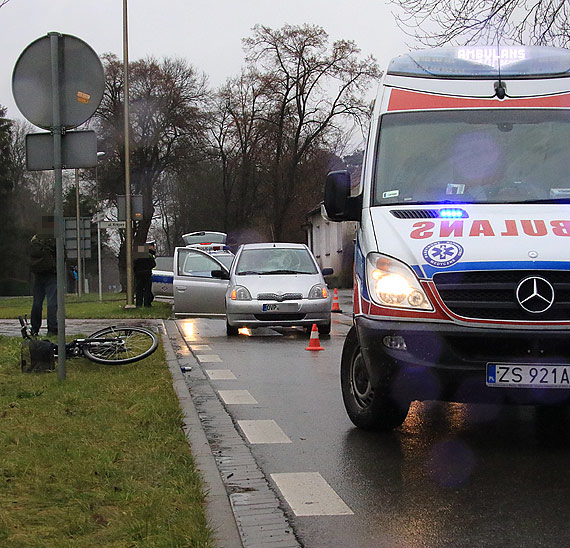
392	283
240	293
318	291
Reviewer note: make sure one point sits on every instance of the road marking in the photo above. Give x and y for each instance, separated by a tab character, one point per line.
263	431
199	347
237	396
208	358
220	375
308	494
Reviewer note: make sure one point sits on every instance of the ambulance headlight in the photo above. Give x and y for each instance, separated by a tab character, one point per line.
392	283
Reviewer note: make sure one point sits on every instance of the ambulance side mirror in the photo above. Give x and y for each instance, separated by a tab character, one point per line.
339	204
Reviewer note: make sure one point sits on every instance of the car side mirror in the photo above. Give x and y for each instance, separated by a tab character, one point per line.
339	204
327	271
220	274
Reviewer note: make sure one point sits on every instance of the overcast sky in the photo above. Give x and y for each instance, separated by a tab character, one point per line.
204	32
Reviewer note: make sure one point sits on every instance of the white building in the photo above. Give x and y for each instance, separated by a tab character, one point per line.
333	246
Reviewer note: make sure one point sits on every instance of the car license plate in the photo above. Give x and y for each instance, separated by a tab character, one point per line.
528	376
280	307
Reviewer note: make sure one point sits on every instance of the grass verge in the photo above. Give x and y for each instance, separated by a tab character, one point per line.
88	306
99	459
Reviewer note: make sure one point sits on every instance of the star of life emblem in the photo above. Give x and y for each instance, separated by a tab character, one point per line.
442	254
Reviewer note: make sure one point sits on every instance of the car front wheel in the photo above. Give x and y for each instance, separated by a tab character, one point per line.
368	407
231	330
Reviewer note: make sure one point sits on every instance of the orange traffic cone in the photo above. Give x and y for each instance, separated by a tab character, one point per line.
314	342
335	305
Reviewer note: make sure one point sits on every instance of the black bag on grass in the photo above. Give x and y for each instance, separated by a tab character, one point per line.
37	356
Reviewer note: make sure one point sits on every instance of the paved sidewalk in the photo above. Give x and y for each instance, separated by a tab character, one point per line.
11	328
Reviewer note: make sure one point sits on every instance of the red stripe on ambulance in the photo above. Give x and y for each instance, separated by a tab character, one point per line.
401	99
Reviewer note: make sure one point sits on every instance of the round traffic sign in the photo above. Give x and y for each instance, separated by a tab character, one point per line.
81	81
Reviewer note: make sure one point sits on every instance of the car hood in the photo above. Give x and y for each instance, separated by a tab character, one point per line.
489	236
278	283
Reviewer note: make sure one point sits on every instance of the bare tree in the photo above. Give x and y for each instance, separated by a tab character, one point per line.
166	101
461	22
238	136
310	88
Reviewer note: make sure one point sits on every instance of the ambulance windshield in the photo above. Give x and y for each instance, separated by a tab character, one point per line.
473	156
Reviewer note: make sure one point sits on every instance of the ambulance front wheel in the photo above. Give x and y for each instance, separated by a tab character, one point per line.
368	407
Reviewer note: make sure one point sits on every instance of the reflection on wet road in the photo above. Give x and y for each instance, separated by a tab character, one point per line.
453	475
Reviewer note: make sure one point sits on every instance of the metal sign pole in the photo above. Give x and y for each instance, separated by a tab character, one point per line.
99	259
79	227
58	213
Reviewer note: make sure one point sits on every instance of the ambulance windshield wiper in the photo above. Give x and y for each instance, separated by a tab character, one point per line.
445	203
565	200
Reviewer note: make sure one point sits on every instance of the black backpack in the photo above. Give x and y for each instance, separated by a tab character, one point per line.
37	356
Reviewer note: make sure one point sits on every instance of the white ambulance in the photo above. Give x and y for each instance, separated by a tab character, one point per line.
462	260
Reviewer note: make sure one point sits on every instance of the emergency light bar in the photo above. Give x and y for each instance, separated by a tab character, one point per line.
482	62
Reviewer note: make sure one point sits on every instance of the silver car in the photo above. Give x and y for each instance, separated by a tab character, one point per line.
277	284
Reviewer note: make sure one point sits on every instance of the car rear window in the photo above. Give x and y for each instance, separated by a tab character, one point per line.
165	263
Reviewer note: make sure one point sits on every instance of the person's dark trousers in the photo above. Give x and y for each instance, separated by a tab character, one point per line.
45	285
143	287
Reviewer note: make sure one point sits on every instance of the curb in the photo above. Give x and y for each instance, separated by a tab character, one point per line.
218	509
242	498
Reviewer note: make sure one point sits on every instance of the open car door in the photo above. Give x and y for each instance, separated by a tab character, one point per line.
200	284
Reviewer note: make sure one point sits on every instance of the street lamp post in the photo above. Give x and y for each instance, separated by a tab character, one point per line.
128	214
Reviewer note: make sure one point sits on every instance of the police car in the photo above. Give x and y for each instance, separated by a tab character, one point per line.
210	243
162	275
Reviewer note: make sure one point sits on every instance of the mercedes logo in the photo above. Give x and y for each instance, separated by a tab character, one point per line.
535	294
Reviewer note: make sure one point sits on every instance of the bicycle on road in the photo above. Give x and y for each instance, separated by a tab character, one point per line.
113	345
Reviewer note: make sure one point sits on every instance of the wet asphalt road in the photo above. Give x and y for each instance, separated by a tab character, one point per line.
452	476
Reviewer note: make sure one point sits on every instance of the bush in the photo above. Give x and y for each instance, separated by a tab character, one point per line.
11	287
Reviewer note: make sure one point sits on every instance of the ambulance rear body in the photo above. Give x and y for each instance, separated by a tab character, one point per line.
462	260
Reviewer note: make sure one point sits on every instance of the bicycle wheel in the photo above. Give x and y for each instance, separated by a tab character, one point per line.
119	345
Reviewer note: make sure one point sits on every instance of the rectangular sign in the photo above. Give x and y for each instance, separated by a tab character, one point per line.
78	149
136	207
113	224
70	242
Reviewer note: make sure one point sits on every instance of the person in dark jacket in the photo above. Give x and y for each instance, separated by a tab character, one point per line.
143	264
44	270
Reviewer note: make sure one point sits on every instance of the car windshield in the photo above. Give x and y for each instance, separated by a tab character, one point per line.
275	260
473	156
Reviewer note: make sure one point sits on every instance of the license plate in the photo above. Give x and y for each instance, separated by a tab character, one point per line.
528	376
280	307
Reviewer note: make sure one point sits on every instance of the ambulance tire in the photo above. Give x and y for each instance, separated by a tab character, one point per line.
367	407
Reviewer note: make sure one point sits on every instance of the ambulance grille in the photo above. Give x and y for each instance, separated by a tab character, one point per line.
491	295
415	213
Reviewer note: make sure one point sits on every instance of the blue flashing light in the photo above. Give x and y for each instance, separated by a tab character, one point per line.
452	213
